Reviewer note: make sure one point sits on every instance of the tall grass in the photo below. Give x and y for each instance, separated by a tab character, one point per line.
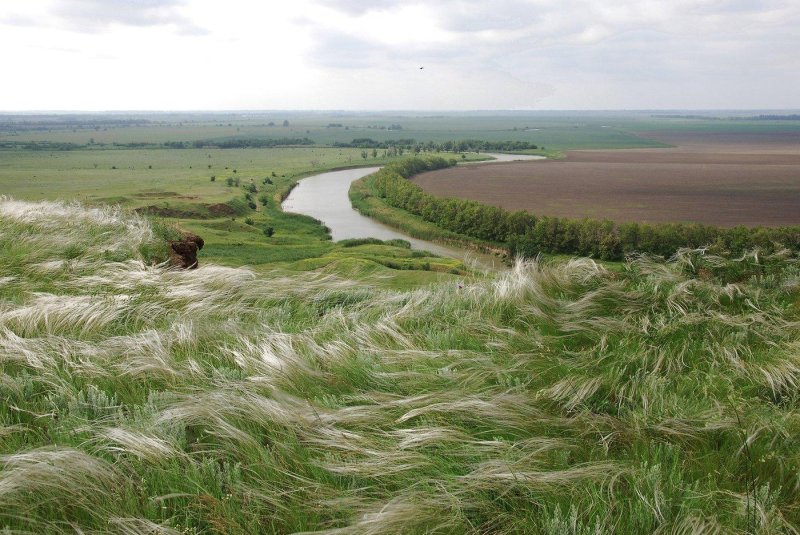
555	398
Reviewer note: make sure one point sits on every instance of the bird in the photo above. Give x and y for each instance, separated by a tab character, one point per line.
421	68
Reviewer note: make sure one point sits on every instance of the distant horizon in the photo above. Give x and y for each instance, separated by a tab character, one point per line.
390	111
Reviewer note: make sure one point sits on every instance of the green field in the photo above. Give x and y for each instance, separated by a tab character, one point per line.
558	132
178	183
296	385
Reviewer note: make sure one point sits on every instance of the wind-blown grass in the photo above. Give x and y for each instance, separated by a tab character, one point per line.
554	398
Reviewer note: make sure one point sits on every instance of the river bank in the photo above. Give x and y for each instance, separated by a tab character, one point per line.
326	197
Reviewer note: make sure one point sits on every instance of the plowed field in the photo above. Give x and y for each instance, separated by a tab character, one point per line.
723	179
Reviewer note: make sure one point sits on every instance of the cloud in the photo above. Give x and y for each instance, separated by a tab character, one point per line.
357	7
92	16
606	54
514	34
350	53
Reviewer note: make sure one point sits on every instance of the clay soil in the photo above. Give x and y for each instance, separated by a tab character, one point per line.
723	179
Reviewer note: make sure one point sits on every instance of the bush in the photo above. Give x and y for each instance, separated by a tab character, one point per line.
355	242
269	231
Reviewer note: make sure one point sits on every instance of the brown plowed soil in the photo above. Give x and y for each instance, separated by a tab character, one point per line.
723	179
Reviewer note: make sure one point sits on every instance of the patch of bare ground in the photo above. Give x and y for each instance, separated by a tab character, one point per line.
722	179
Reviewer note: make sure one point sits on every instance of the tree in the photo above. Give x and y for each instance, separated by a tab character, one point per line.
285	123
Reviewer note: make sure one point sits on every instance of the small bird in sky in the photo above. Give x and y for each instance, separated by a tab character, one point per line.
421	68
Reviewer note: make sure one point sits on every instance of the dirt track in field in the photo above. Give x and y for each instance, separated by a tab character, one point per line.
722	179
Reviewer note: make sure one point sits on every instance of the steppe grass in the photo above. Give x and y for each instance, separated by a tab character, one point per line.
555	398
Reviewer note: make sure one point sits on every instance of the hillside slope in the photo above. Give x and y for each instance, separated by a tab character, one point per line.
555	398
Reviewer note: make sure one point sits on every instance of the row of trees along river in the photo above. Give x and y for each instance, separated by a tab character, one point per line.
526	234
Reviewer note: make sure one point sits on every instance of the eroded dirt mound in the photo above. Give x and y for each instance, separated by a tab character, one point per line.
183	252
221	210
191	211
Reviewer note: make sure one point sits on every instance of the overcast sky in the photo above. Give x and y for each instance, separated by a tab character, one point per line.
366	55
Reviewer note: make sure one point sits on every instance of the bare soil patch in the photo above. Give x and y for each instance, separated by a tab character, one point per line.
721	179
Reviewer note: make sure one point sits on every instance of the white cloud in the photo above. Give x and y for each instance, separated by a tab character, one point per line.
190	54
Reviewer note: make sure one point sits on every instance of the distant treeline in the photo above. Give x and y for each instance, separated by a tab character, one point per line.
33	123
679	116
792	117
369	143
465	145
39	145
789	117
221	144
527	235
248	143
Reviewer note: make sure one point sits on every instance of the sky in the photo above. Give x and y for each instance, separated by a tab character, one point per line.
97	55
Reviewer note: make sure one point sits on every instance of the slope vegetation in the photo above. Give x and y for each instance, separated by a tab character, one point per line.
554	398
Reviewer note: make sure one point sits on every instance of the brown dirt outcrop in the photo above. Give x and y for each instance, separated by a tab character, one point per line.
183	252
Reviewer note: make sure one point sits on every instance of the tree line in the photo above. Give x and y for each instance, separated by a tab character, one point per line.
525	234
252	143
38	145
465	145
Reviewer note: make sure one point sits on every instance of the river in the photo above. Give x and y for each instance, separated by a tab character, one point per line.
325	197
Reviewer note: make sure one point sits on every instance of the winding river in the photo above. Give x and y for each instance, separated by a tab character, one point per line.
325	197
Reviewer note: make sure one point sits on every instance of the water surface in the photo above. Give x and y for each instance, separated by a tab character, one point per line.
325	197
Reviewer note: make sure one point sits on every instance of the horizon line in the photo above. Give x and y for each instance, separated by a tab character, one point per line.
420	110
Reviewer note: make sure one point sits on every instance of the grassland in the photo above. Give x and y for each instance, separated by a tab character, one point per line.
555	398
552	131
176	184
362	387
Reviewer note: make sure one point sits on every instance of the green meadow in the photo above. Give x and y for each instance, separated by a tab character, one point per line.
291	384
553	131
175	185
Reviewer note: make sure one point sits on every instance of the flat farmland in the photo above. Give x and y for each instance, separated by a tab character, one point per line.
725	179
